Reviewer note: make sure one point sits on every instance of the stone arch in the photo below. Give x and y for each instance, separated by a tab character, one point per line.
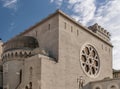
16	54
25	54
8	55
113	86
12	55
20	54
5	56
97	87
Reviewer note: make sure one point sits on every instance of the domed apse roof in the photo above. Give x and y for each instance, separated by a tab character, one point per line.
23	42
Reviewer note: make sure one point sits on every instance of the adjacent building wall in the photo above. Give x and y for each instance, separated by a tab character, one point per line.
116	73
106	84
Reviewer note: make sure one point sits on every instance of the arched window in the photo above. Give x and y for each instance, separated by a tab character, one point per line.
16	54
12	55
21	55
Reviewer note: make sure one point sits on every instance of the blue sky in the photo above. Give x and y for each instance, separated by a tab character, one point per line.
18	15
22	14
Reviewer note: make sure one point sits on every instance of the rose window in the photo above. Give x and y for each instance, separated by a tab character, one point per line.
90	61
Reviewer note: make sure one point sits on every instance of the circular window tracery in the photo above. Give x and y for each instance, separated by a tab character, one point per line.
90	60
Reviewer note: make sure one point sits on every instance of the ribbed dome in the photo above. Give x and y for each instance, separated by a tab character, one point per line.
24	42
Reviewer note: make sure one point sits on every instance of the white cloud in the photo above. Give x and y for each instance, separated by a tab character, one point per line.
11	26
51	1
82	9
57	2
11	4
110	19
106	14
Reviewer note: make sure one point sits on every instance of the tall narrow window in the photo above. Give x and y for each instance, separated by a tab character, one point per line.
77	32
109	50
30	85
65	25
31	73
102	46
105	48
71	29
49	26
20	76
36	33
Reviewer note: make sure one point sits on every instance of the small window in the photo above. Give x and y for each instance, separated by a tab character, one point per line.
36	33
31	73
105	48
109	50
102	46
77	32
31	70
71	29
49	26
20	76
65	25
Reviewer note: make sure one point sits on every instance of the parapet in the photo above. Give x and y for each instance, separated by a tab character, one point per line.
100	31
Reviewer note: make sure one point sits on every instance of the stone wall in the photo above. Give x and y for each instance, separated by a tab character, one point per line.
46	32
106	84
65	41
72	39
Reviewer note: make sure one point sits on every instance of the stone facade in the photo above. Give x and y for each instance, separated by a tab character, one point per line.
58	53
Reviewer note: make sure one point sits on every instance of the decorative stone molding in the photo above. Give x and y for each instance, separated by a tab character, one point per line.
16	54
98	28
